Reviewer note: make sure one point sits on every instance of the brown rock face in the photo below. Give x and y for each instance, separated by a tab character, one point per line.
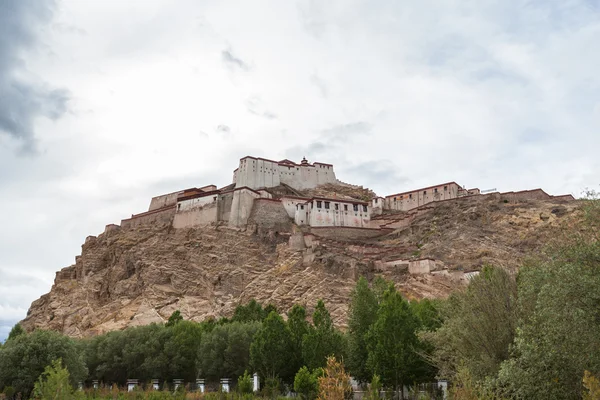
139	276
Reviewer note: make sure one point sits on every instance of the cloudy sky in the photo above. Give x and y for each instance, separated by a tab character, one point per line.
104	104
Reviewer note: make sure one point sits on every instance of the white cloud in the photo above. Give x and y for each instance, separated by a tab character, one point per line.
402	94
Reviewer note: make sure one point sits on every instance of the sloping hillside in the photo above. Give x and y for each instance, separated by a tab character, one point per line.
132	277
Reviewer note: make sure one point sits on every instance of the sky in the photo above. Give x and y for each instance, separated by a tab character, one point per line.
106	103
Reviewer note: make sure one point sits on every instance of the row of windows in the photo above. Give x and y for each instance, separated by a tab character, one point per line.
337	206
435	190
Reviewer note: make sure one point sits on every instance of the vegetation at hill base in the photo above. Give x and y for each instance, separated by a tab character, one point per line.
534	334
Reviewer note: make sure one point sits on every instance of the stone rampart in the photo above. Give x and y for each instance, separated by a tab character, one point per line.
198	216
161	216
270	214
345	232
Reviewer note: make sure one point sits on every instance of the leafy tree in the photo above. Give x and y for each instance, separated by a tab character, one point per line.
298	328
53	383
559	328
269	309
225	351
245	384
478	326
306	384
174	318
392	341
16	330
362	314
271	349
322	340
374	389
253	311
181	350
24	358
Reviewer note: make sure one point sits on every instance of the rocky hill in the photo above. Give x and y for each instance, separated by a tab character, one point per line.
128	277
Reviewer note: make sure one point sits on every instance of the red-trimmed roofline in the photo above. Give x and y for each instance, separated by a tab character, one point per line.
198	195
285	162
295	197
338	200
158	210
425	188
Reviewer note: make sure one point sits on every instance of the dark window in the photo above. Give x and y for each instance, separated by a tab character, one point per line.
394	199
319	204
410	196
424	192
345	207
337	206
364	208
435	190
401	197
445	187
327	205
302	207
355	206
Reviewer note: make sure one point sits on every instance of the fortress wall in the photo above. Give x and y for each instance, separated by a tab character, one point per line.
270	214
535	194
161	216
187	205
164	200
257	173
416	198
307	176
241	206
196	217
344	232
564	197
289	204
224	206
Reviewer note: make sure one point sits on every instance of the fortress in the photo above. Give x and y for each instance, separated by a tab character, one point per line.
277	194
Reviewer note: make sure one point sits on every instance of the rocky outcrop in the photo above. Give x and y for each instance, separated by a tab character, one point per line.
128	277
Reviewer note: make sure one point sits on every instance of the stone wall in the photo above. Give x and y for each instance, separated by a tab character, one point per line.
196	217
340	232
241	206
270	214
161	216
163	200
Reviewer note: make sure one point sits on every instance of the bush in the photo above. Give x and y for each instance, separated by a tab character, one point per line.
245	384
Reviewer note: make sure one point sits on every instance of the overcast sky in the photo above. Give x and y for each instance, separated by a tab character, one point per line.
104	104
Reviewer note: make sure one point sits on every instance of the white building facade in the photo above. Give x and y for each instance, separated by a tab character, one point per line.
256	172
324	212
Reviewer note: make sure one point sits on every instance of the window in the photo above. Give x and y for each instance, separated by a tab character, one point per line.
445	188
364	208
401	197
302	207
424	192
410	196
178	207
355	207
394	199
345	207
327	205
319	204
337	206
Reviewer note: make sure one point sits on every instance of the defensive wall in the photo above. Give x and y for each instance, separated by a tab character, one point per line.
347	232
270	214
160	216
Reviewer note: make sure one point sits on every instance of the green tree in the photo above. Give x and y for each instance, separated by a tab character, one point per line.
306	384
24	358
181	349
245	384
253	311
16	330
298	328
174	318
559	307
362	314
53	383
225	351
478	326
271	349
392	341
322	340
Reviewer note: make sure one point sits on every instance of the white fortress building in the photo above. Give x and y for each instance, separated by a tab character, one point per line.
249	200
256	173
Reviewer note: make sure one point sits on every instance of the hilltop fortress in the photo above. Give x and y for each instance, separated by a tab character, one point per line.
274	194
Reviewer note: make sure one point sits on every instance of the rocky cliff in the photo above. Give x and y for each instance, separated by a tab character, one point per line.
138	276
